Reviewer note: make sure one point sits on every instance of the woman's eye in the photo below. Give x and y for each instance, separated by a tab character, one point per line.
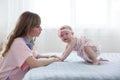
37	26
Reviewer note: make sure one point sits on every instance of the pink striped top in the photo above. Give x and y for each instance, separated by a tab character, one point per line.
13	65
81	43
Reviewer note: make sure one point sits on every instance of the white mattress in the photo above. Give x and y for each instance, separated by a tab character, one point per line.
74	68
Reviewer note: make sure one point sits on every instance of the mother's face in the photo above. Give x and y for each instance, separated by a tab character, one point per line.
35	31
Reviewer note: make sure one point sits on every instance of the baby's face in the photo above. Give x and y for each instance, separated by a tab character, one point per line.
66	35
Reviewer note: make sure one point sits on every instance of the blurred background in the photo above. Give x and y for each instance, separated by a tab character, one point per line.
97	19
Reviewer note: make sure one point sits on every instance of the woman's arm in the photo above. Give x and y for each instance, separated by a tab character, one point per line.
33	62
38	55
46	56
42	56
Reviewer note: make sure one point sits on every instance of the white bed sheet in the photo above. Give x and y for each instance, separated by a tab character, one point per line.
74	68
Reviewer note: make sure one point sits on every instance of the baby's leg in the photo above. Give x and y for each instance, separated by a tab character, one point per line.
91	52
100	59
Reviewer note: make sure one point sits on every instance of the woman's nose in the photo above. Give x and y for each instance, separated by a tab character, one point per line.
40	29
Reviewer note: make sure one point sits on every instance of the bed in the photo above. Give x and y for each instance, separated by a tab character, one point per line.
74	68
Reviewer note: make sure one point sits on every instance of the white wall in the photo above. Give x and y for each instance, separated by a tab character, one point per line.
49	41
3	18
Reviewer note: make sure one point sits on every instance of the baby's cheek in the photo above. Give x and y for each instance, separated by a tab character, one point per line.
61	38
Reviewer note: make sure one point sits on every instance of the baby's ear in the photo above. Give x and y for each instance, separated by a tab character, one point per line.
72	33
59	33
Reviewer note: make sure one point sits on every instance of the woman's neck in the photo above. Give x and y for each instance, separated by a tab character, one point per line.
29	37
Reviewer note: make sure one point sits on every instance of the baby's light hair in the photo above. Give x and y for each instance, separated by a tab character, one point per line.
65	27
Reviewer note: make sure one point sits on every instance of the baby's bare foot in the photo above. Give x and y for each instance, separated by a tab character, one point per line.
96	62
101	59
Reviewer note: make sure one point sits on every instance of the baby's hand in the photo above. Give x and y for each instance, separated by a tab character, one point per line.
61	59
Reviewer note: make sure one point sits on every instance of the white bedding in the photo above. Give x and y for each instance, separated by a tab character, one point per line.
74	68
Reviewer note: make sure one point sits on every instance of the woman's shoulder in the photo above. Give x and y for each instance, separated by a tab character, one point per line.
18	40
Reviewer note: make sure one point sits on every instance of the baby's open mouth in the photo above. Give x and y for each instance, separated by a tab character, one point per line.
65	39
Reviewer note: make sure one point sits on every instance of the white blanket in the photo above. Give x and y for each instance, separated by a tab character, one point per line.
74	68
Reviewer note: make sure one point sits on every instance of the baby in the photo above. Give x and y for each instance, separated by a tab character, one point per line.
84	47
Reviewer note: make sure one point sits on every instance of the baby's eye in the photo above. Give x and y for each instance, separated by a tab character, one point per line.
66	33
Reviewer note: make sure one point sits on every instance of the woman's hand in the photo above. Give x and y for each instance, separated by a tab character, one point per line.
55	56
54	59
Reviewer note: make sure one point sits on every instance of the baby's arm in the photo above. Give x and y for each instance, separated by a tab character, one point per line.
67	51
33	62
